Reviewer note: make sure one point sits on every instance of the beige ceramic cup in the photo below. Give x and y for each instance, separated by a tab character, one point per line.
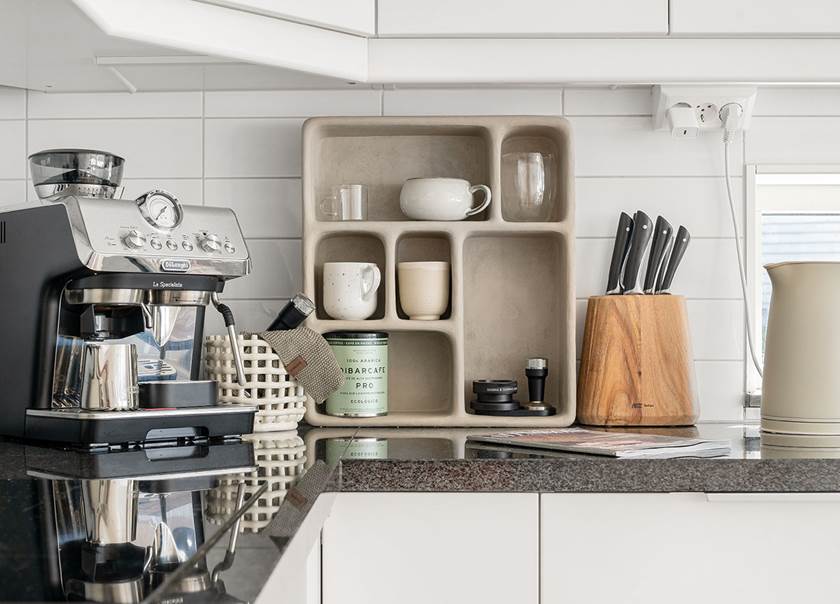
424	289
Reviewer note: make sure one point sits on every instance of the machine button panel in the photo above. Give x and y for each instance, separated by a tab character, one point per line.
210	242
134	239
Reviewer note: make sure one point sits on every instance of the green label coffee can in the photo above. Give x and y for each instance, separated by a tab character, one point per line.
363	358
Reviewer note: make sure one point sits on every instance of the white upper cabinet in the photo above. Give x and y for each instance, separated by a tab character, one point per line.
352	16
528	18
756	17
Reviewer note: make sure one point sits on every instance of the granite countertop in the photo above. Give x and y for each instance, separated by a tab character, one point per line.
325	461
417	460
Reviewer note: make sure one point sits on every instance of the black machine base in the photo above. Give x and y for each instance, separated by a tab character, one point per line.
92	429
171	394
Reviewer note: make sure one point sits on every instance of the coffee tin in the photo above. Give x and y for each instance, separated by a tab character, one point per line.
363	358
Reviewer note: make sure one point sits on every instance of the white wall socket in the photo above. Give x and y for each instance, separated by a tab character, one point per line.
705	100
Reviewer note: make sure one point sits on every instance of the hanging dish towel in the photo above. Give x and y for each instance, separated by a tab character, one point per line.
308	358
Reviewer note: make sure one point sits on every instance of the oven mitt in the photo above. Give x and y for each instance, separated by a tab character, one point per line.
308	358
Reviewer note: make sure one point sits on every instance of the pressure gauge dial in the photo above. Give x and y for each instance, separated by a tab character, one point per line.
161	209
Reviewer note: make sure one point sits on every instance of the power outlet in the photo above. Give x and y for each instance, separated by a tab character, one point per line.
708	115
706	102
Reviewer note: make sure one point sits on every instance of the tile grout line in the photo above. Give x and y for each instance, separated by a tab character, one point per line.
203	146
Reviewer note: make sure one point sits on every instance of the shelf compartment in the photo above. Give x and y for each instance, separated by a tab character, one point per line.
383	154
548	141
350	247
519	303
424	247
421	382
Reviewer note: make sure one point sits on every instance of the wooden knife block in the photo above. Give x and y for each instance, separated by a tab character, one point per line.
636	368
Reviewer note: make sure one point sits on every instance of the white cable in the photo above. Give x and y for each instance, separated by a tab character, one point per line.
727	138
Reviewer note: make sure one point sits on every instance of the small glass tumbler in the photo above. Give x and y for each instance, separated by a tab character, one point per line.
525	185
346	202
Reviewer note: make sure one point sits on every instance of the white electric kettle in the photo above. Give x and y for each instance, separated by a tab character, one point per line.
801	384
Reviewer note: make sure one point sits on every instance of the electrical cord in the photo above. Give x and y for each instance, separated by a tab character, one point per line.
731	116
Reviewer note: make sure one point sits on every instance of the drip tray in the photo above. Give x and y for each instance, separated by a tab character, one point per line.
169	394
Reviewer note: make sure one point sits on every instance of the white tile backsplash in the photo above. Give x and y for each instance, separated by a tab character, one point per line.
242	150
13	149
252	147
292	103
277	271
628	146
698	203
12	103
12	192
720	387
114	104
265	207
474	101
717	329
152	148
708	270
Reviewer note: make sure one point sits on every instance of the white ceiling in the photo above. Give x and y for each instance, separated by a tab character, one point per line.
51	45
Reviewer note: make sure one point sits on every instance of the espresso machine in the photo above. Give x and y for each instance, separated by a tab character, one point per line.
103	308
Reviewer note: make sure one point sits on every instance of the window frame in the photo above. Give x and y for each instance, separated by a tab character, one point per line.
753	208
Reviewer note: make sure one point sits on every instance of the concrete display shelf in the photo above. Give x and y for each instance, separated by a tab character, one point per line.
512	281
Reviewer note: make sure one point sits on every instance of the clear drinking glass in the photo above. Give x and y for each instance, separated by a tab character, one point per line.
346	202
526	189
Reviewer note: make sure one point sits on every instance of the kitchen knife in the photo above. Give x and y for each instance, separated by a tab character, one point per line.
622	241
661	236
639	239
665	257
677	252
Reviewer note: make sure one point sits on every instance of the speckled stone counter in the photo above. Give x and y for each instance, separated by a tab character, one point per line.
592	476
468	467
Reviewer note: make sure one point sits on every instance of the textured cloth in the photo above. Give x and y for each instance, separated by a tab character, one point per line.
308	358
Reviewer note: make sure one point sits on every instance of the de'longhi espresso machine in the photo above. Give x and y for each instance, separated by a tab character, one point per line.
103	310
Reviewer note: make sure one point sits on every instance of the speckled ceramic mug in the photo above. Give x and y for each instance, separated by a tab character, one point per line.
350	289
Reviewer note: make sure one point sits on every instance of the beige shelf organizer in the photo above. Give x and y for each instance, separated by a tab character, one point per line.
512	284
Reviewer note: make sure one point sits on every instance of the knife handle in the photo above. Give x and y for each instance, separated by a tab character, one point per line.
660	277
680	244
661	235
622	241
642	231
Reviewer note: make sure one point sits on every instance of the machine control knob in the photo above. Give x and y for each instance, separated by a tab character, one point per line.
134	239
210	243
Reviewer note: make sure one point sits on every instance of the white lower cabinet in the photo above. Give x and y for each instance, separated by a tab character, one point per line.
690	548
381	548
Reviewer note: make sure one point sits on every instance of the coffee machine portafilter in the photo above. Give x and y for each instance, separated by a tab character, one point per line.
106	296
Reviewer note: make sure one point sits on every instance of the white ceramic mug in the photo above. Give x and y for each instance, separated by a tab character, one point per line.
424	289
441	198
350	289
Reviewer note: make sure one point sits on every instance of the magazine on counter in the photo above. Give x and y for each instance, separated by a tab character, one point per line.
624	445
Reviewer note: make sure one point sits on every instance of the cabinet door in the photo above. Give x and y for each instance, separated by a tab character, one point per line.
522	18
755	17
381	548
690	548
